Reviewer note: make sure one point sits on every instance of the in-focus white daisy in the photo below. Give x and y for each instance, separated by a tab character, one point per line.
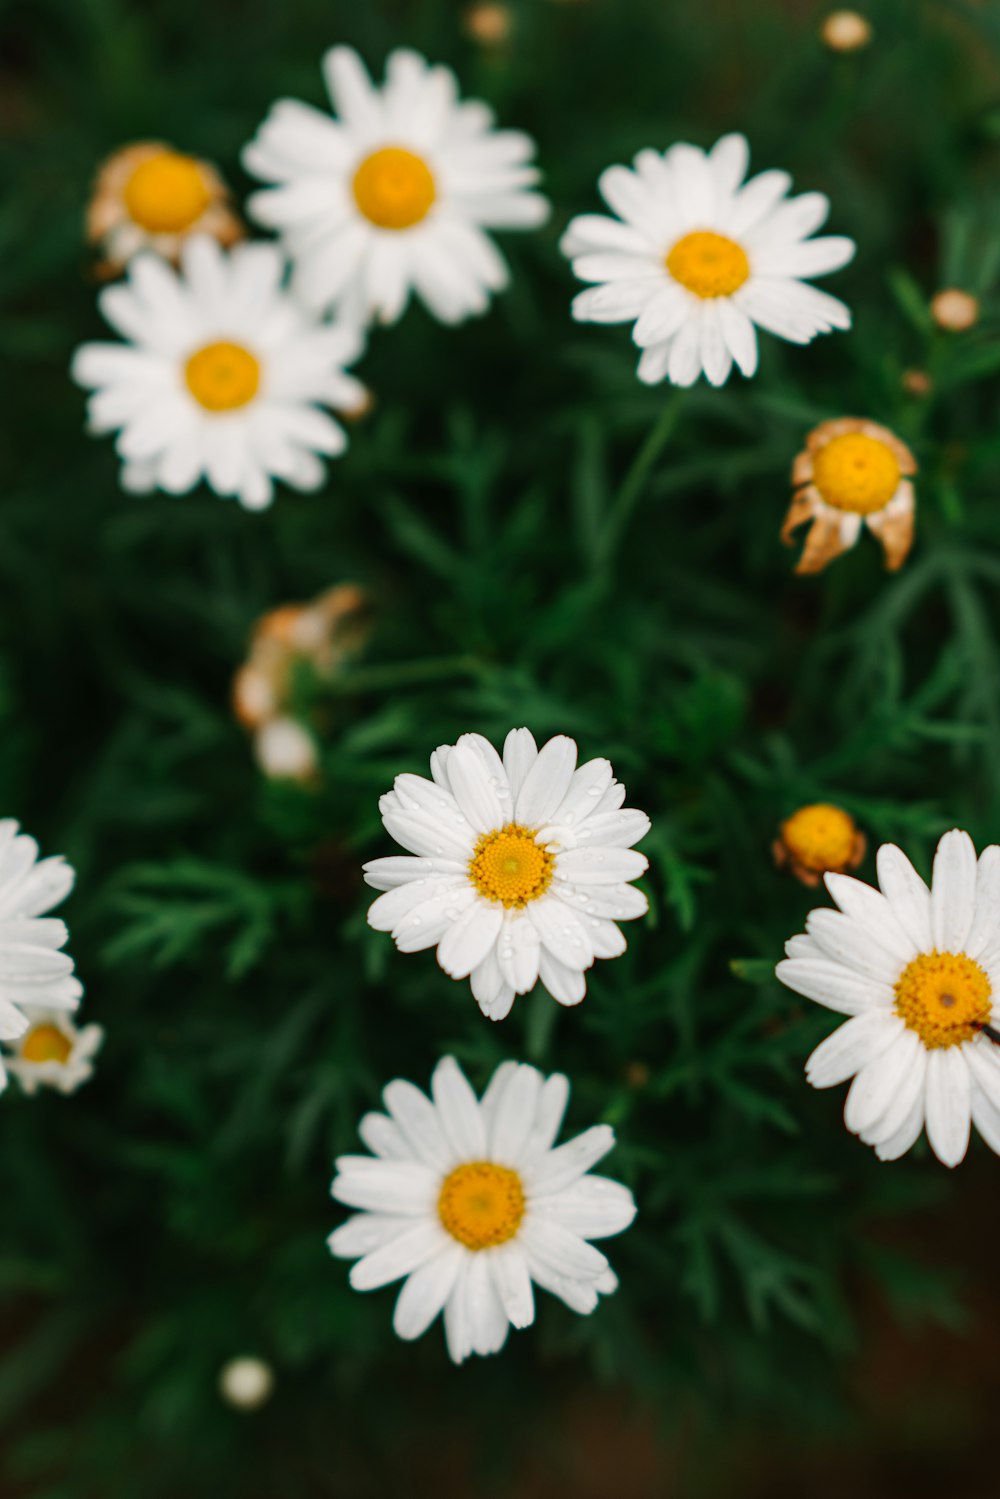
918	971
52	1052
698	259
223	377
471	1201
33	971
521	867
392	197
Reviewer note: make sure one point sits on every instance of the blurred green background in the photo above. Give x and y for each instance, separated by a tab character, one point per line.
791	1314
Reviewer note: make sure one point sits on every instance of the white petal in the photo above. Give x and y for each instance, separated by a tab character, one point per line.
458	1110
562	1250
417	1117
566	985
948	1100
519	755
425	1293
384	1138
851	1046
518	947
365	1232
594	1207
836	987
953	893
511	1126
546	782
876	1085
907	894
467	940
393	1187
399	1257
476	796
561	1167
512	1283
985	923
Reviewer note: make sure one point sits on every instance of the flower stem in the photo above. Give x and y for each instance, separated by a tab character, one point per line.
625	501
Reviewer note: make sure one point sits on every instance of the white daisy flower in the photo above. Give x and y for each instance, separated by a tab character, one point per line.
223	376
393	196
521	867
33	971
918	971
471	1202
52	1052
697	258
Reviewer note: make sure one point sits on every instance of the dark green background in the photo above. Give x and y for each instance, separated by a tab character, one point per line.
771	1332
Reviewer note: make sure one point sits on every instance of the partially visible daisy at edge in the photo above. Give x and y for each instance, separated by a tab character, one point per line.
471	1203
222	376
699	259
852	473
34	972
518	867
393	196
917	970
148	196
53	1052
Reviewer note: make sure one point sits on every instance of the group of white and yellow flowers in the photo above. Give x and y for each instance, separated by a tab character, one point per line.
232	367
233	364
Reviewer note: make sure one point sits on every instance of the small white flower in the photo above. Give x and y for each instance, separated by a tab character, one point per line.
393	196
471	1201
33	972
918	971
697	258
52	1052
522	866
246	1383
223	376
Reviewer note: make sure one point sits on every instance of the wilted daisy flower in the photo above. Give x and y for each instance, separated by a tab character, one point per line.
521	867
33	972
918	971
697	258
818	839
851	473
52	1052
393	196
150	197
471	1201
223	376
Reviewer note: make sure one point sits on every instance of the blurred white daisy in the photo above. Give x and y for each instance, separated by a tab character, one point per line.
223	376
33	972
918	971
471	1201
699	260
150	197
52	1052
392	197
521	867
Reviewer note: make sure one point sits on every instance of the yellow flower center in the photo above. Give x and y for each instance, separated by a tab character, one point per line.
509	866
945	997
820	837
481	1205
394	188
45	1043
856	472
167	193
708	264
222	376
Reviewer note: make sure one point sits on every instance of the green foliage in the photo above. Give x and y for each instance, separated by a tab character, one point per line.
547	543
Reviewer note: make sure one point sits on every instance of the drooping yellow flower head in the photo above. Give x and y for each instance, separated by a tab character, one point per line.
816	839
850	474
